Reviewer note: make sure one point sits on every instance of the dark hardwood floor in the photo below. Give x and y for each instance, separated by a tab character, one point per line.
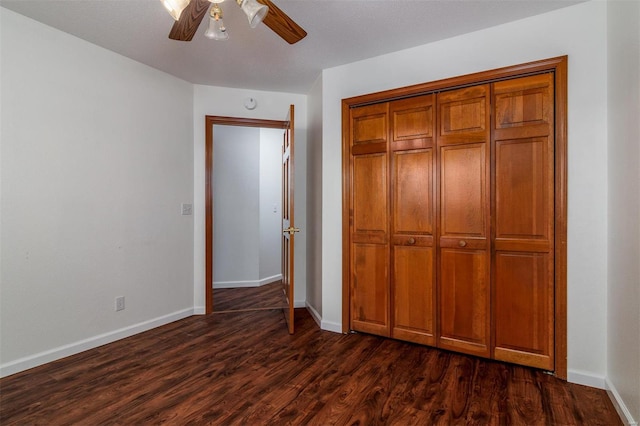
245	369
269	296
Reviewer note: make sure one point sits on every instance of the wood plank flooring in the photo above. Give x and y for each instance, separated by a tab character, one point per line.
245	369
269	296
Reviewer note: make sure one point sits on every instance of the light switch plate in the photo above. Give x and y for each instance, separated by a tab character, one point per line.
187	209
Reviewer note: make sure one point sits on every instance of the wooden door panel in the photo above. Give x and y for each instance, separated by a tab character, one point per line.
523	200
463	220
370	194
463	115
285	187
369	222
412	118
412	123
464	301
413	294
463	189
413	210
413	219
523	252
370	128
524	102
288	223
369	292
524	309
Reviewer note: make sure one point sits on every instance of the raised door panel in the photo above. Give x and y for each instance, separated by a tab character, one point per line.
523	106
464	301
463	115
524	309
412	123
523	249
369	290
370	197
463	180
369	129
413	294
413	210
524	202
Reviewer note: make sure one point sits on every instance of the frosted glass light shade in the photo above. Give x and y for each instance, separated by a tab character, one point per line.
175	7
216	30
255	11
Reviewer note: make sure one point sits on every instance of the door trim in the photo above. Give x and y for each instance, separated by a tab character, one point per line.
556	65
210	121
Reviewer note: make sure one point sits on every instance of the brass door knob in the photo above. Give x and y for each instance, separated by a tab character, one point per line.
412	241
291	230
462	243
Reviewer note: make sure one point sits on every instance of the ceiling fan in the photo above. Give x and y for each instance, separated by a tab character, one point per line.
188	15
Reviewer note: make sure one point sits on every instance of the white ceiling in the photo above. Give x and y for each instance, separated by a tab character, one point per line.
339	32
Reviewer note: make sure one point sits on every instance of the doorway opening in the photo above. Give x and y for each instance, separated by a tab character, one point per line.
210	121
247	225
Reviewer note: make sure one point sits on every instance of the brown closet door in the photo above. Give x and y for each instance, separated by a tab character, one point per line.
463	135
413	219
524	214
369	222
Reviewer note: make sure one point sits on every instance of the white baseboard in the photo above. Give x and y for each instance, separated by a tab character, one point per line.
619	404
299	304
252	283
585	378
331	326
90	343
314	314
324	325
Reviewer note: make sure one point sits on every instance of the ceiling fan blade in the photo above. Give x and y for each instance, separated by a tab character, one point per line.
282	25
185	28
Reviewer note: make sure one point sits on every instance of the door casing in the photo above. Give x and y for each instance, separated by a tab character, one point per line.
210	121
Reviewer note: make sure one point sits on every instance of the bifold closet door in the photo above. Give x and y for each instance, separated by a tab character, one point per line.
412	153
463	217
523	221
369	220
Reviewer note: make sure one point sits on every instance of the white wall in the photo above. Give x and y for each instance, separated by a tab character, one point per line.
270	204
623	297
578	31
229	102
97	155
236	206
314	202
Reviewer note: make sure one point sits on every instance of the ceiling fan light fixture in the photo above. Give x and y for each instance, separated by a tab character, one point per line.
255	11
216	29
175	7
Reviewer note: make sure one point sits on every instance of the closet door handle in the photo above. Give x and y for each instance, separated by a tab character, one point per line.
411	241
462	243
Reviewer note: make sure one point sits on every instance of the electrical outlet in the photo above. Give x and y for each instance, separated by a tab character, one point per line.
120	303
